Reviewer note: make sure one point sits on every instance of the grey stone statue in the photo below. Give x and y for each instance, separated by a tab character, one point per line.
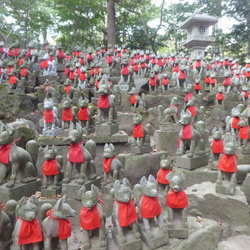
14	159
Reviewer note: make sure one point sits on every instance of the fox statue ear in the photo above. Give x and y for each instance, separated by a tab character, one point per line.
81	190
151	178
143	181
59	203
95	190
22	202
34	200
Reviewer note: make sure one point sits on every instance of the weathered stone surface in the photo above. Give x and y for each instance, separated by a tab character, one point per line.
137	166
142	150
125	122
246	187
166	140
107	130
239	242
226	208
191	163
51	192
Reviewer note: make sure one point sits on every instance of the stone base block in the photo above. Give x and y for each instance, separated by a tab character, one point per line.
52	133
213	165
50	191
179	233
244	151
60	67
19	190
95	243
160	239
224	188
139	151
71	189
42	79
132	242
166	140
107	130
88	131
191	163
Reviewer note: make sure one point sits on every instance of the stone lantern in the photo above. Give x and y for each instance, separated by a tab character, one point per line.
198	33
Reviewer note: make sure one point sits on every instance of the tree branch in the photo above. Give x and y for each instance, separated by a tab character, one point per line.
161	17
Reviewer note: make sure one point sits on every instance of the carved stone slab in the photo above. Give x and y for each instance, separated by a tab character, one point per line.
191	163
107	130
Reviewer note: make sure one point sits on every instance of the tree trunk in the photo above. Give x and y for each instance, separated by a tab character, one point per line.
248	37
111	23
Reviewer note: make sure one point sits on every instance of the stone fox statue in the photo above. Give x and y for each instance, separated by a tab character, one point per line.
79	156
14	159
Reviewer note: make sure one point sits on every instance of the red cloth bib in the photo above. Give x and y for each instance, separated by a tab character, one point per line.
81	61
29	53
235	122
78	71
192	110
227	81
60	53
67	71
212	80
217	146
152	82
20	62
5	152
150	207
243	132
64	226
82	76
12	80
1	50
164	81
182	75
138	131
16	51
109	59
176	199
228	163
198	64
107	164
125	70
153	61
126	213
75	153
23	72
30	232
83	114
133	99
90	218
188	97
48	115
44	64
220	96
50	167
136	67
143	65
197	86
245	93
161	176
186	132
207	79
103	101
72	75
67	114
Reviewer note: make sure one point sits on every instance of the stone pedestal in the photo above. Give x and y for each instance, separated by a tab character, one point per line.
178	232
71	189
52	133
244	155
94	241
88	131
166	140
224	188
191	163
107	130
106	198
19	190
142	150
132	242
160	239
51	191
213	165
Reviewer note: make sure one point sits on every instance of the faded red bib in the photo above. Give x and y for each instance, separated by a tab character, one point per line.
30	232
186	132
50	167
75	153
228	163
176	199
243	132
192	110
48	115
107	164
150	207
103	101
138	131
67	89
90	218
126	213
83	114
5	153
235	122
161	176
64	226
217	146
133	99
67	114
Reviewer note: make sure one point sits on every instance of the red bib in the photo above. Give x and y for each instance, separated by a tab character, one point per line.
136	67
243	132
29	53
138	131
126	213
107	164
48	115
20	62
44	64
72	75
83	114
16	51
245	94
90	218
161	176
198	64
150	207
164	81
81	61
182	75
64	226
217	146
220	96
212	80
228	163
207	79
188	97
67	114
60	53
133	99
176	199
67	89
152	82
23	72
103	101
192	110
109	59
227	81
12	80
197	86
50	167
75	153
186	132
235	122
125	70
30	232
5	152
82	76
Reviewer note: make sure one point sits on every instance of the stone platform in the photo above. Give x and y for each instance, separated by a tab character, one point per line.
52	133
139	151
19	190
106	130
191	163
50	191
